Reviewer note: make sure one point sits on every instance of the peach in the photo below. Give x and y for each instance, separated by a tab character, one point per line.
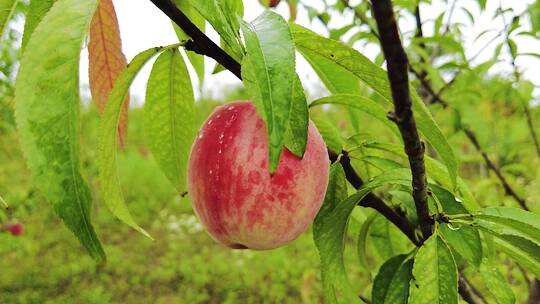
239	202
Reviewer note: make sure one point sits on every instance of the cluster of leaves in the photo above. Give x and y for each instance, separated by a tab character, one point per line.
47	103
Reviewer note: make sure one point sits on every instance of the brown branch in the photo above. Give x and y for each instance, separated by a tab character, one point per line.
531	129
466	291
397	65
530	123
534	292
491	165
199	43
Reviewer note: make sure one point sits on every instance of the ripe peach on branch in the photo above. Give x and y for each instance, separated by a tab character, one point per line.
239	202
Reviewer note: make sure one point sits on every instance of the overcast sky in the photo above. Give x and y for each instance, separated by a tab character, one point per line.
143	26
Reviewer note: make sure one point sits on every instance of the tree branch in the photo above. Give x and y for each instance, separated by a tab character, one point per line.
466	291
397	65
532	129
534	292
199	43
491	165
530	123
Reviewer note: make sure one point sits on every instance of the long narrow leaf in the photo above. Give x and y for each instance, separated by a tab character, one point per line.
197	60
7	9
106	60
47	112
435	274
269	74
361	103
36	11
108	171
169	113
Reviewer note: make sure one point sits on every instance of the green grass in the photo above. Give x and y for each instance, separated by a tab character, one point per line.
183	265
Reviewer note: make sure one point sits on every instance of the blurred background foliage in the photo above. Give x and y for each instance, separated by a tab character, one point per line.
183	265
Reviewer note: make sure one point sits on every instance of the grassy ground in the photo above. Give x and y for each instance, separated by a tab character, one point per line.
182	265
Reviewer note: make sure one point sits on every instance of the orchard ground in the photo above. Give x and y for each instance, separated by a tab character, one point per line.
183	265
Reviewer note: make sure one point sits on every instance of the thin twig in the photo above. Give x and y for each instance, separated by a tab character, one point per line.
491	165
420	34
449	20
199	43
517	76
397	65
466	292
534	292
473	288
361	17
532	129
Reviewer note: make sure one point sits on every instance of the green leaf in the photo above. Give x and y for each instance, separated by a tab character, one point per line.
448	43
510	221
362	242
197	61
436	171
233	11
344	57
381	163
169	113
212	11
108	171
496	283
435	274
391	285
523	251
37	9
337	79
329	133
515	231
330	227
7	9
386	238
333	272
361	103
463	239
297	130
513	48
47	111
269	74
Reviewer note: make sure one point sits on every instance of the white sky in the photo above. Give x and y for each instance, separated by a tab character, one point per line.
143	26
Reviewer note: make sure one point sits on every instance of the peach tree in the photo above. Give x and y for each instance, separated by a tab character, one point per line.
261	173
